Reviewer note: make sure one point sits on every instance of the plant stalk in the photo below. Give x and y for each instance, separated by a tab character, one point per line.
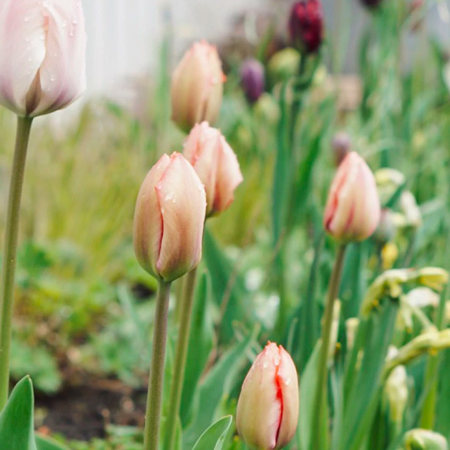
10	252
321	388
156	380
181	352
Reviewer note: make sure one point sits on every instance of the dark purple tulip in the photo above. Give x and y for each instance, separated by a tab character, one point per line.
306	25
371	3
341	145
252	79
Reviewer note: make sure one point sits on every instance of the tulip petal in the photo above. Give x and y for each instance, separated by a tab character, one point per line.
288	383
22	50
182	235
260	407
201	151
148	227
63	72
229	177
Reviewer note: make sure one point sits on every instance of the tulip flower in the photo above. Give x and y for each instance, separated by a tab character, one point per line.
341	145
306	25
197	87
353	208
216	165
42	55
267	411
372	4
169	219
252	79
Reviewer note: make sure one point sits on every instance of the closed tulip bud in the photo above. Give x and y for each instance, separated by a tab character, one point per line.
306	25
372	4
341	145
396	391
353	208
169	219
42	55
197	86
216	165
425	440
252	79
267	411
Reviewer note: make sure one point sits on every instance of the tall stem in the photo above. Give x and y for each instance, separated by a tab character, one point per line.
321	388
10	251
156	380
180	358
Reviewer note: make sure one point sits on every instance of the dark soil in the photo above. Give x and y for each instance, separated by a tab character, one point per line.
82	412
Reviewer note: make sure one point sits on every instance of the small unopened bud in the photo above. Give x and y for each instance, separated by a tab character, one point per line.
306	25
353	209
433	277
419	439
396	391
197	87
169	219
283	65
351	326
386	229
252	79
268	407
341	145
372	4
408	204
216	165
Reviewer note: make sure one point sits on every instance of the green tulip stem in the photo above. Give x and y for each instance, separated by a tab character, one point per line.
187	302
322	370
10	252
156	380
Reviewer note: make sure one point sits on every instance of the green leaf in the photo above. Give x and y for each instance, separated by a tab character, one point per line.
45	443
229	296
214	437
200	345
216	385
17	419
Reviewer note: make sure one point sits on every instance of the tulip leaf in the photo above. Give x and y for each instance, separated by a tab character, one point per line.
17	419
45	443
216	385
228	295
200	345
214	437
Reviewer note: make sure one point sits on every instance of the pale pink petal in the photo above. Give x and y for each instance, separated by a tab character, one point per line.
63	71
148	226
22	50
183	207
259	408
229	177
288	383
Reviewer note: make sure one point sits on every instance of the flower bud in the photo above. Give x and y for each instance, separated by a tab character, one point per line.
197	86
169	219
216	165
267	411
424	440
252	79
283	65
306	25
386	229
372	4
341	145
396	391
351	328
410	209
42	55
353	208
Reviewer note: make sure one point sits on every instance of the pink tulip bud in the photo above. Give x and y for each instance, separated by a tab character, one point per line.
169	219
197	86
42	55
216	165
353	208
267	411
